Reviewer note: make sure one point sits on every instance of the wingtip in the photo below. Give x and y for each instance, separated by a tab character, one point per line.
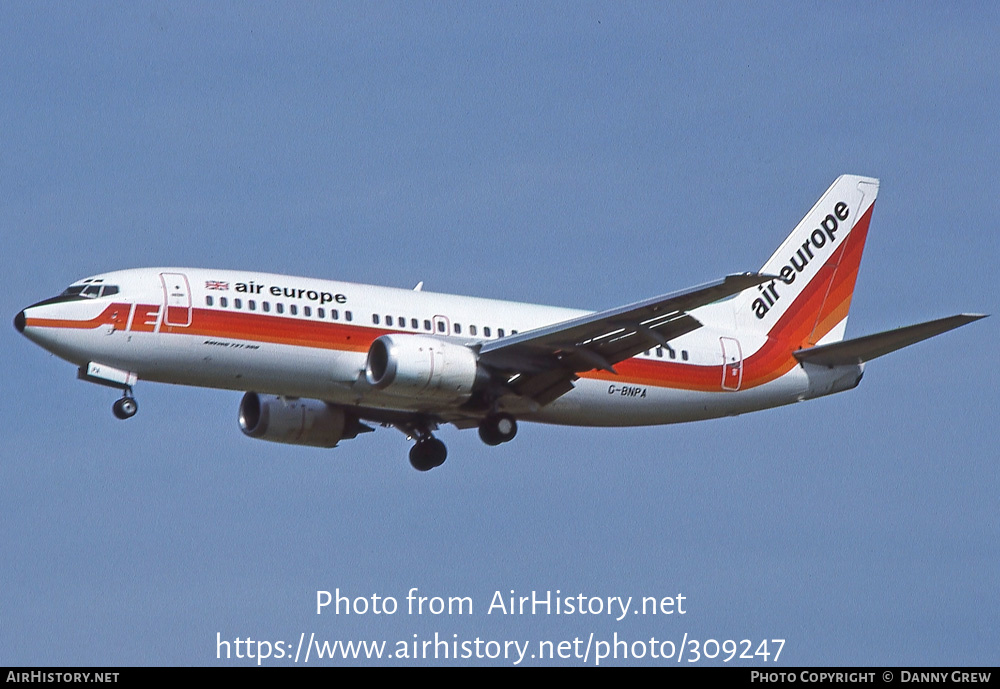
967	318
749	279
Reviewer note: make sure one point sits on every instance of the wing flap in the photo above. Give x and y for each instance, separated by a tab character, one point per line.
862	349
649	313
542	364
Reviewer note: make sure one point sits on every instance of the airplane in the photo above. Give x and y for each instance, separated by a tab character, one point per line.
320	360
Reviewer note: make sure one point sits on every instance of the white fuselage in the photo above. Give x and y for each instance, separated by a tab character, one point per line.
320	360
302	337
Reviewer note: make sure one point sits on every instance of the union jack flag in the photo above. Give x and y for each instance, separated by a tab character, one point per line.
216	284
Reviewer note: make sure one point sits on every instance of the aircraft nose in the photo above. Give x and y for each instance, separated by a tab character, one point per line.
19	321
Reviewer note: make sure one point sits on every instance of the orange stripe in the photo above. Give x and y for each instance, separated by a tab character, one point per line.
116	314
816	310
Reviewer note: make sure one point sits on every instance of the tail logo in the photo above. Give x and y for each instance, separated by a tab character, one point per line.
822	236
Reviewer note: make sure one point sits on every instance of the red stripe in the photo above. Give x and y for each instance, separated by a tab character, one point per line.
815	311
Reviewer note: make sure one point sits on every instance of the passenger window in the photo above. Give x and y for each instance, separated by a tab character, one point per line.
208	301
472	330
440	326
267	307
293	309
252	304
279	307
659	352
458	328
513	332
307	311
499	332
402	322
238	303
486	331
223	302
375	318
335	314
321	312
684	354
348	316
388	320
427	325
414	323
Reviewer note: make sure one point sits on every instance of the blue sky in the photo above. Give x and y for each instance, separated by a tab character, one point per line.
584	155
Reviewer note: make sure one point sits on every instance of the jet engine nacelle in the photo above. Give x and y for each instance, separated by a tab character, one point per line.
296	421
420	366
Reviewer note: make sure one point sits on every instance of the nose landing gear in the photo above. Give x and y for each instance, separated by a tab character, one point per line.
126	406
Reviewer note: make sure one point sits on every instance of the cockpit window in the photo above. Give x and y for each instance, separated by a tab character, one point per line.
91	291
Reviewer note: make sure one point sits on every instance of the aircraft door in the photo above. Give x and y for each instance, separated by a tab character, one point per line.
176	299
732	364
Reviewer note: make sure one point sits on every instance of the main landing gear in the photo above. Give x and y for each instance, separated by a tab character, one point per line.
495	430
427	453
126	407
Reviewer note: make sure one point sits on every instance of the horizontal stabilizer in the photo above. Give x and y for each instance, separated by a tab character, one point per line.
866	348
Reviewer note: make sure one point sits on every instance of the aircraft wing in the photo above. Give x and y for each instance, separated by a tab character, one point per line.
542	364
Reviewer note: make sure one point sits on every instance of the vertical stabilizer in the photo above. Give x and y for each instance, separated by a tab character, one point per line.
815	269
